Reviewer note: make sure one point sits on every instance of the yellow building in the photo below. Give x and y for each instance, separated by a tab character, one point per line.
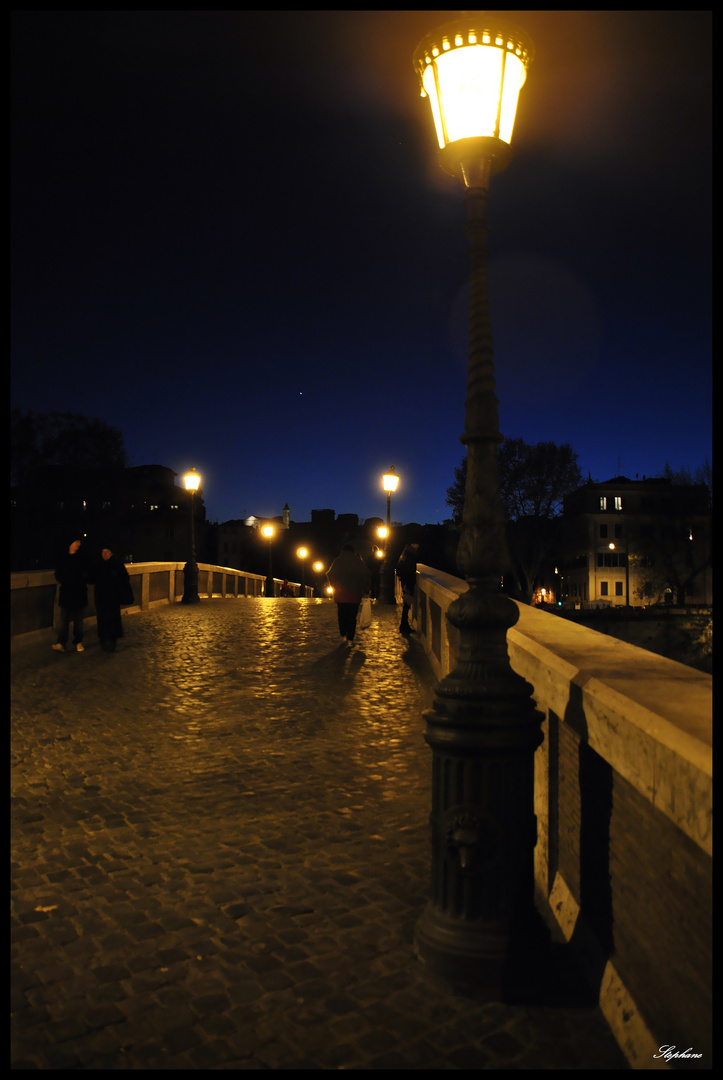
637	543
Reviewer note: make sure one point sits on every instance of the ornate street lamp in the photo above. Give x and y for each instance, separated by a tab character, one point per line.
190	571
318	571
302	553
386	573
268	532
483	727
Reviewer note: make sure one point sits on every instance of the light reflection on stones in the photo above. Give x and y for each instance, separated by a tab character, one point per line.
249	702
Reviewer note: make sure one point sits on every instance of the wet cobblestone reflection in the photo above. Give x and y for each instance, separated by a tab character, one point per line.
220	849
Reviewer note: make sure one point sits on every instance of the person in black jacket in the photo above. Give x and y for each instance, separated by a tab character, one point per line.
407	573
112	589
72	573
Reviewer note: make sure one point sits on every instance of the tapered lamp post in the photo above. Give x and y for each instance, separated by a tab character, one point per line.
483	728
192	482
386	574
302	553
268	532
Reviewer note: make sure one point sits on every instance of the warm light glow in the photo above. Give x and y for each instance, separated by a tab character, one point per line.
473	81
379	553
268	531
390	480
474	91
318	567
192	480
382	532
329	590
611	546
302	552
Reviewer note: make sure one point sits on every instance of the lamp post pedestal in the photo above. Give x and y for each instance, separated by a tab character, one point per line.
190	583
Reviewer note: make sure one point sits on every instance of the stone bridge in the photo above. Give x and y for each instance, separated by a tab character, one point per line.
220	842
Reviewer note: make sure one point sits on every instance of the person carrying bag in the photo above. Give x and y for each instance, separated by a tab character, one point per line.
351	581
364	618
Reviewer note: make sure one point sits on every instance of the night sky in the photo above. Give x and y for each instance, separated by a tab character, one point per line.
232	241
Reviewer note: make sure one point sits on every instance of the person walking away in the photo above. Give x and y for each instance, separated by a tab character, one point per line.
72	573
407	573
112	590
350	579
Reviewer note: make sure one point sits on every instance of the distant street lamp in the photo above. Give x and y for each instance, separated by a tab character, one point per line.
190	571
386	573
624	555
483	727
302	553
268	531
318	570
389	483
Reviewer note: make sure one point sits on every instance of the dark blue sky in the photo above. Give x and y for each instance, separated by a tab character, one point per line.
232	240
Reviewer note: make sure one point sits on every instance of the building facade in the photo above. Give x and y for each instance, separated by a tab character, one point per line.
636	543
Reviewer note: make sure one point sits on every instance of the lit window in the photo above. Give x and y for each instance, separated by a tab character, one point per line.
603	503
618	502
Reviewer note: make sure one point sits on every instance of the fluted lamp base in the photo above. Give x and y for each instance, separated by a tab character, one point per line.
471	958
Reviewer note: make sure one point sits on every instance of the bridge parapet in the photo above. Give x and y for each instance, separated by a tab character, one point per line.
623	798
34	609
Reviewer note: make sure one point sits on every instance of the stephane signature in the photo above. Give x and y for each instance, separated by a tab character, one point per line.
669	1052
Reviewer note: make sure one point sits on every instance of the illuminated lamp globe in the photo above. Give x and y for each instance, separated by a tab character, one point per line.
472	71
192	480
390	480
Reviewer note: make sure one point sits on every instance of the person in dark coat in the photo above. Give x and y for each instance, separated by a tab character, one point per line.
350	579
407	573
72	573
112	590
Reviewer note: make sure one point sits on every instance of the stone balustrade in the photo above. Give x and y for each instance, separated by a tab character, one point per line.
34	595
623	798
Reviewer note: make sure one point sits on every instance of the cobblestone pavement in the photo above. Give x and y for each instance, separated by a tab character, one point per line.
220	850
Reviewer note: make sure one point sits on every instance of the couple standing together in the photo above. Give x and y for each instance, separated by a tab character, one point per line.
75	571
351	581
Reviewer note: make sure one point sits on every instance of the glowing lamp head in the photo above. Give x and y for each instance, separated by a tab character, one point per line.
318	567
302	552
382	532
267	531
192	480
472	71
390	480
